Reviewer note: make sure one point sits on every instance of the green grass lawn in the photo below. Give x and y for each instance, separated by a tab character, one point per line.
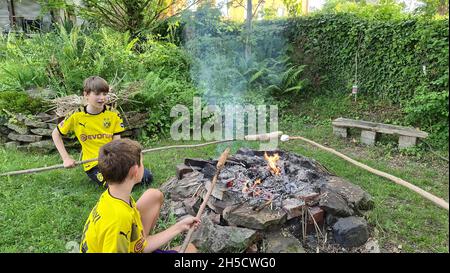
44	212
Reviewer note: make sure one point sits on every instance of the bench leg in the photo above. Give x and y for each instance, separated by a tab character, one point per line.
340	131
368	137
406	141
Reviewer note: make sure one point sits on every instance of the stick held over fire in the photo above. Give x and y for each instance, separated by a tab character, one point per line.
264	137
219	167
259	137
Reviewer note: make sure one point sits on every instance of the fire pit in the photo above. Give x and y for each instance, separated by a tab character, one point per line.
265	201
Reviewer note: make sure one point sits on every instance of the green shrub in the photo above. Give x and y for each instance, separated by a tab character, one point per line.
61	60
19	102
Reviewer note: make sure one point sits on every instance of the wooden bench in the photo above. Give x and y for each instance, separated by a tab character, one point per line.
370	131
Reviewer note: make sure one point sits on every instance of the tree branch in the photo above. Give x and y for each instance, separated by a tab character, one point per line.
257	6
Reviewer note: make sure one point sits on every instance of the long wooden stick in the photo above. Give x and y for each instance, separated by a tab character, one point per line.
438	201
60	166
219	166
260	137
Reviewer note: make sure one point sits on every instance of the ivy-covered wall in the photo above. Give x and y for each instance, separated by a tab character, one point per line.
402	61
394	58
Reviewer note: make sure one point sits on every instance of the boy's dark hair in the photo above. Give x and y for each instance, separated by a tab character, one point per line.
95	84
117	157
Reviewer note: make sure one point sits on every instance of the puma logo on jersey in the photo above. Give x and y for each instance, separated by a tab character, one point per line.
84	125
124	234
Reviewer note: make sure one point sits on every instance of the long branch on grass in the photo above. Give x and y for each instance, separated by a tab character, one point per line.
436	200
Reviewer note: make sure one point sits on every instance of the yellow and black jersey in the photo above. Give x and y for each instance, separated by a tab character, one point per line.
113	226
92	130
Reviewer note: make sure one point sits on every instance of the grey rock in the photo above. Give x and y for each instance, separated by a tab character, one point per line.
351	231
334	204
282	242
44	117
212	238
24	138
181	189
35	124
353	194
12	145
51	126
293	207
42	131
192	205
247	217
42	145
372	246
4	130
20	129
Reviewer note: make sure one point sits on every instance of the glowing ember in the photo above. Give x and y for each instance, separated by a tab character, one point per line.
245	189
257	182
272	161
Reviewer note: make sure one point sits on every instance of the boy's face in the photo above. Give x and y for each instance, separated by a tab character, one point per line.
96	99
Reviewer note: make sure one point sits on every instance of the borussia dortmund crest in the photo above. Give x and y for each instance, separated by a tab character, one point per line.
106	123
100	177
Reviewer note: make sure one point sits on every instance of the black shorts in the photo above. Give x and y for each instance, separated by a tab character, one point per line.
95	175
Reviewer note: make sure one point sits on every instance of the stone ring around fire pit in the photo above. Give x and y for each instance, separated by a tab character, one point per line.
269	202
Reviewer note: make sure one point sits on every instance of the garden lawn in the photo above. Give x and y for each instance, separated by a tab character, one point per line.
45	212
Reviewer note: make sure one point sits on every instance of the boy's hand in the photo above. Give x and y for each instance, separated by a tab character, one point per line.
69	162
186	223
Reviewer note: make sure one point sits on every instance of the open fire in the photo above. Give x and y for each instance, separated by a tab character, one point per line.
272	163
266	191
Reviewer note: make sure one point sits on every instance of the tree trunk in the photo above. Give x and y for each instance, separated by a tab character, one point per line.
248	49
12	13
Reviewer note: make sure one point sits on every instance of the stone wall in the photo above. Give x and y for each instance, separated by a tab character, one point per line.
28	133
34	133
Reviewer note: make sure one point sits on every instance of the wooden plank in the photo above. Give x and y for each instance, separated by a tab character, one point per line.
379	127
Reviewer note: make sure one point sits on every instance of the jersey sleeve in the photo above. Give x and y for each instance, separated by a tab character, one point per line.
117	237
119	126
67	125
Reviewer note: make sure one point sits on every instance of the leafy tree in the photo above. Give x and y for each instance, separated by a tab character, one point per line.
294	7
54	6
383	10
251	11
134	16
433	7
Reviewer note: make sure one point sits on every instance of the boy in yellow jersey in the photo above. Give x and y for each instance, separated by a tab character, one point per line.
94	125
119	224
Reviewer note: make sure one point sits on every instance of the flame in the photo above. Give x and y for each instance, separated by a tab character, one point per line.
272	161
257	182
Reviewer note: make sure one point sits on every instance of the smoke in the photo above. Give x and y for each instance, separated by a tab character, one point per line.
223	74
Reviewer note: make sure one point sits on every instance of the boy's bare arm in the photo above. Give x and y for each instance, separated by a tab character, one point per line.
68	161
157	240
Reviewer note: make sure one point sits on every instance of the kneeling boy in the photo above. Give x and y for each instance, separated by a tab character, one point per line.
119	224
